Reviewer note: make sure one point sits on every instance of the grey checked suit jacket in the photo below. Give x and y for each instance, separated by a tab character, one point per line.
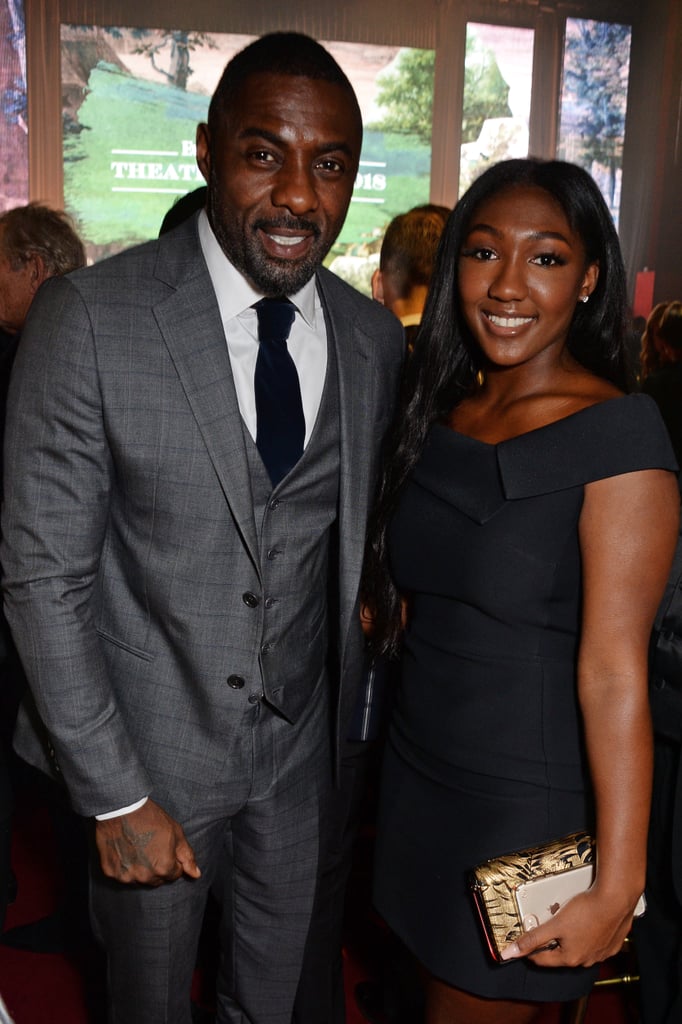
128	528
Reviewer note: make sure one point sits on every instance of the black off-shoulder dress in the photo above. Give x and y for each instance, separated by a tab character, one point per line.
485	751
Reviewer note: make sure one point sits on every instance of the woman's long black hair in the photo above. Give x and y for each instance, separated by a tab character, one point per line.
445	363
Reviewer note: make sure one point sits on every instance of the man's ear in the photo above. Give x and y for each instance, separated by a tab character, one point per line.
37	271
203	151
378	286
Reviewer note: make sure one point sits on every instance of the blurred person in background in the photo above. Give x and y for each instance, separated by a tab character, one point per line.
652	353
408	253
665	383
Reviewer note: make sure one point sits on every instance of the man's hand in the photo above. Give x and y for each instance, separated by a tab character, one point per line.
146	847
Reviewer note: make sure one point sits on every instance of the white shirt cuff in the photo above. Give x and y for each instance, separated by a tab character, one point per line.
123	810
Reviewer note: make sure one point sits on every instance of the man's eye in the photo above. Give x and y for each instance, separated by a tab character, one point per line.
331	166
262	156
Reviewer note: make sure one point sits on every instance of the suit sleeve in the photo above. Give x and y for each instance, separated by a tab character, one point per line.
58	480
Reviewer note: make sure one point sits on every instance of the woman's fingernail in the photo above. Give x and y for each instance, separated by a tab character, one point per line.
509	952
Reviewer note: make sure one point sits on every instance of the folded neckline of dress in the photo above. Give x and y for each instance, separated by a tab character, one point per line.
619	435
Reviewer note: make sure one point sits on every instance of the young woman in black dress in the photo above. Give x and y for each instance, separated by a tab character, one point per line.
524	532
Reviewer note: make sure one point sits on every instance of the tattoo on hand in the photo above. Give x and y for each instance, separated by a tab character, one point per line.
130	847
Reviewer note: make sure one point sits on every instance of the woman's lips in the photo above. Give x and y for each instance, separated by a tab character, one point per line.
509	321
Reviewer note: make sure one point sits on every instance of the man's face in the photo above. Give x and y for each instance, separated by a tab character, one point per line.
280	171
17	289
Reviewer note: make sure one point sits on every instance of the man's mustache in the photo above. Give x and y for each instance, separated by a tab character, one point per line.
293	224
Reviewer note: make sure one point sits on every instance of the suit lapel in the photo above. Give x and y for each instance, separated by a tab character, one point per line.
190	324
354	359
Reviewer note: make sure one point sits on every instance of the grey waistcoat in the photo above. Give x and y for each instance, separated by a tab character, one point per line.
294	523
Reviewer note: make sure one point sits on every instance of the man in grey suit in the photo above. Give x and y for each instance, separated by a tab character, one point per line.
186	609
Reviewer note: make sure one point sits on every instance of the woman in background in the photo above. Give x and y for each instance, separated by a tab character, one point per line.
524	532
665	384
653	353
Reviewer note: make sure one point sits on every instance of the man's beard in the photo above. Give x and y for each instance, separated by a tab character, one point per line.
269	275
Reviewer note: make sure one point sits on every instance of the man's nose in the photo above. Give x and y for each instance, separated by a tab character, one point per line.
295	188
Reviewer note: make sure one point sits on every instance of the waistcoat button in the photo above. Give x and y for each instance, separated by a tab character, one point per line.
254	698
236	682
250	600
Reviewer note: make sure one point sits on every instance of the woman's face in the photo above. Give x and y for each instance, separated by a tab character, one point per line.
521	272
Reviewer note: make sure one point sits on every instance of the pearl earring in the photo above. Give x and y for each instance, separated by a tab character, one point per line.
584	298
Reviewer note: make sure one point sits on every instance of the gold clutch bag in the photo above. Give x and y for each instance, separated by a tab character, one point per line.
521	890
518	891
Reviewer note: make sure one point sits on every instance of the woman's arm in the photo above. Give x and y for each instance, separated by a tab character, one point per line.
628	531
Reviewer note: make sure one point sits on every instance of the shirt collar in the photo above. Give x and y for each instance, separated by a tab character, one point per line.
233	292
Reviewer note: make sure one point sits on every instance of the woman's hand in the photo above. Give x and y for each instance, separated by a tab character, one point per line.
587	929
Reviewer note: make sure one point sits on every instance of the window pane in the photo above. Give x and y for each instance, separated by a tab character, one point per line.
13	115
498	75
594	101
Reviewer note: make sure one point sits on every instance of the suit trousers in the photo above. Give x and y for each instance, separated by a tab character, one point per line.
320	998
260	826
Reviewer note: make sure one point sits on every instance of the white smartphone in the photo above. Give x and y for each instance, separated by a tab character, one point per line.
541	898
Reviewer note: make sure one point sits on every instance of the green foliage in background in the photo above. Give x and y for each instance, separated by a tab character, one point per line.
406	93
485	91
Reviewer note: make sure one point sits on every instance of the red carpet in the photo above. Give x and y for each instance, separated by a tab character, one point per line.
51	988
42	988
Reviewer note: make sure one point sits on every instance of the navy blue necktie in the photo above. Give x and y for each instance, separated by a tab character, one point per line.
280	431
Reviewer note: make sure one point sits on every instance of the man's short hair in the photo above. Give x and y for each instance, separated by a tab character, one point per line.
37	230
278	53
408	251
